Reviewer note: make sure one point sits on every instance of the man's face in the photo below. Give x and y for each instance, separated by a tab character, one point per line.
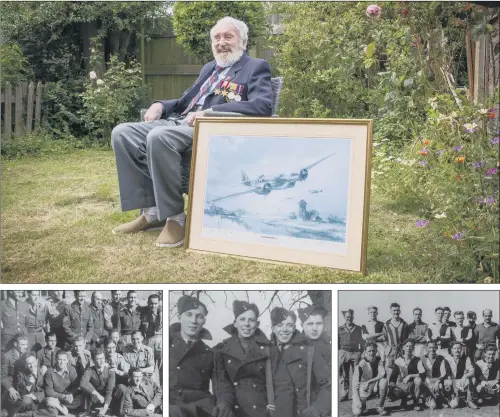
489	356
373	313
100	360
137	340
22	346
136	379
192	322
395	312
472	321
460	319
284	330
456	350
246	324
348	317
115	337
51	342
61	362
153	304
432	348
408	349
132	299
34	296
487	315
111	348
32	365
79	346
314	325
370	353
57	295
439	315
417	316
446	315
390	360
226	42
97	299
117	295
16	295
80	297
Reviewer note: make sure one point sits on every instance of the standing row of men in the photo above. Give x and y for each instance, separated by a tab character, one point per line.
435	364
286	375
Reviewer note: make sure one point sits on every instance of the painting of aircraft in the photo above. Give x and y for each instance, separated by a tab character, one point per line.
263	184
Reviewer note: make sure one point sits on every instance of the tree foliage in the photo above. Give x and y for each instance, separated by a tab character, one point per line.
192	22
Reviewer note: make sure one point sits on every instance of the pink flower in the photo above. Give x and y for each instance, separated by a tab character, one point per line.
490	172
373	10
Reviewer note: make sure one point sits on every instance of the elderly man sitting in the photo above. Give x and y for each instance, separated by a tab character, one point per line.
148	154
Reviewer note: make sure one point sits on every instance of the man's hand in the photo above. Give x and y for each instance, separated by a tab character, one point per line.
97	398
154	112
222	410
68	398
150	408
13	394
32	396
192	116
311	411
407	379
103	410
43	369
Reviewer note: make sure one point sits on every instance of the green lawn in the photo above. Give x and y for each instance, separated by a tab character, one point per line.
58	212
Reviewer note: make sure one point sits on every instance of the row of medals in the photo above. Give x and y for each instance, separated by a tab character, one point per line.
231	95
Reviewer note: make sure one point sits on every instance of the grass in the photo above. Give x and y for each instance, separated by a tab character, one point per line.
58	212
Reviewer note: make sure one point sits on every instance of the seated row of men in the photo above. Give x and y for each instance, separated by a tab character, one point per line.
92	321
433	380
288	374
53	380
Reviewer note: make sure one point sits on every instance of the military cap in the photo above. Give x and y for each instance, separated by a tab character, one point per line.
311	310
471	315
278	314
344	312
239	307
186	303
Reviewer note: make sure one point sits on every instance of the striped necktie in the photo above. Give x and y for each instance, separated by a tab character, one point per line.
206	85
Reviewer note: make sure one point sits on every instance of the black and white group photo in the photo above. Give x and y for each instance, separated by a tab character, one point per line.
250	353
81	353
408	353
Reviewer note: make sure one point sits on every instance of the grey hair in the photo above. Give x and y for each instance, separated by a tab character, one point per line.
238	24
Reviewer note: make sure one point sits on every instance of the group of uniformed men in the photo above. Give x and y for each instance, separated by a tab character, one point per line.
285	375
94	359
442	364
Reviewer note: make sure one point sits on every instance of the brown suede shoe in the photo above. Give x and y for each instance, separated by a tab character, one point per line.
171	236
140	224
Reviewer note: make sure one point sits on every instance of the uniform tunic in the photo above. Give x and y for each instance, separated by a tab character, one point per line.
36	323
26	384
129	321
77	321
13	316
80	365
47	357
12	361
350	344
291	379
324	347
102	381
151	328
246	371
134	400
191	367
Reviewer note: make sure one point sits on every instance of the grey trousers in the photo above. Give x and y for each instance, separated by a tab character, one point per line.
148	160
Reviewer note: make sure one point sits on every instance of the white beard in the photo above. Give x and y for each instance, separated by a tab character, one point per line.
227	59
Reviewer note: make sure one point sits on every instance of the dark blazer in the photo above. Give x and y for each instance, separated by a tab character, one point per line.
24	386
252	73
78	323
247	373
291	380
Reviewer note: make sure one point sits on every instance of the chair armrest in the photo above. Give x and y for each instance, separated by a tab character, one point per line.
212	113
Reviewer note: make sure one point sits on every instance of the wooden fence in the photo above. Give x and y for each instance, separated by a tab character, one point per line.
23	106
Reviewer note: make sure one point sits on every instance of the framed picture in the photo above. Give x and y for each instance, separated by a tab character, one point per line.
283	190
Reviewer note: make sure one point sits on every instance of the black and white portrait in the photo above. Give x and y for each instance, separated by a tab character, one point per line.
408	353
81	352
250	353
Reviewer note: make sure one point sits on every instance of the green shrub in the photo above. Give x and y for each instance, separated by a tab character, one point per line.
114	99
15	67
40	143
192	22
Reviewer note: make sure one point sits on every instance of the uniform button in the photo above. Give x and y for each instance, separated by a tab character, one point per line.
173	345
254	406
254	385
236	406
229	361
235	384
262	347
300	366
178	367
296	390
302	347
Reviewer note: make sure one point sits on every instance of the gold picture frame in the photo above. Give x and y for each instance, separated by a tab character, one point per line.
262	215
